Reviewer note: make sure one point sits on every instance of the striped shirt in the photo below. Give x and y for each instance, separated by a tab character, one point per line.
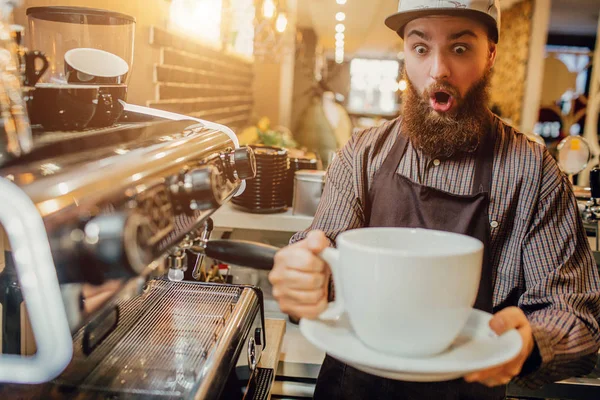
540	255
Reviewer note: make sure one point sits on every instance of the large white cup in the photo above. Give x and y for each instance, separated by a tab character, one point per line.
405	291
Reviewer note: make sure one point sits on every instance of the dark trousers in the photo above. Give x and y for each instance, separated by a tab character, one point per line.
338	381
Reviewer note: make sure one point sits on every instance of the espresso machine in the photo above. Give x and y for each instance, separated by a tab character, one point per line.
101	227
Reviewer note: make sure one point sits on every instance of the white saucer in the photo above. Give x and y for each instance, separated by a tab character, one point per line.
477	347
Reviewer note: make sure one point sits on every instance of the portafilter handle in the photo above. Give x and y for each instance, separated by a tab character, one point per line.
243	253
236	252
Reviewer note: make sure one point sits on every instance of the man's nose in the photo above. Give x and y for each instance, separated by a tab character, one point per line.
440	69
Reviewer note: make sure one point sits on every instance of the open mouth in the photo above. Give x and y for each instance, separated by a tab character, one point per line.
442	97
441	101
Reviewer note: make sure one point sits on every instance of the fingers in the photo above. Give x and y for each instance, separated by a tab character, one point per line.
499	375
507	319
298	258
503	321
303	297
501	381
480	376
300	278
514	318
317	241
494	376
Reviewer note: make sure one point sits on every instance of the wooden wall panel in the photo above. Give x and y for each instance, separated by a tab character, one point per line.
167	91
186	106
200	81
510	72
223	113
172	73
172	56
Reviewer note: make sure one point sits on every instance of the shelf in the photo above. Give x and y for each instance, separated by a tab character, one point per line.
228	217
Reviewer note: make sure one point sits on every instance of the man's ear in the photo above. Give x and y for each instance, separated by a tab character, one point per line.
492	54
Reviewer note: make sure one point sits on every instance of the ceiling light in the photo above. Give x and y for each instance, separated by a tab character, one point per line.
340	36
340	16
402	85
339	59
281	23
341	1
339	43
340	28
268	9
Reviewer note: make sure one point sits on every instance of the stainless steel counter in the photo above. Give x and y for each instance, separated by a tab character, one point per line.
299	363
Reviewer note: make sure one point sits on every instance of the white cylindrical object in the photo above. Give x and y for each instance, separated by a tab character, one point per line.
41	292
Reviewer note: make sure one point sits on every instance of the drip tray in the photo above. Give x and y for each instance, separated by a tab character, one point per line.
158	349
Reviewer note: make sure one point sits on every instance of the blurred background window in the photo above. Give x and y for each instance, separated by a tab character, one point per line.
373	86
240	25
200	19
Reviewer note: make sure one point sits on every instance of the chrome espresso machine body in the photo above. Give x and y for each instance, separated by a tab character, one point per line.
97	220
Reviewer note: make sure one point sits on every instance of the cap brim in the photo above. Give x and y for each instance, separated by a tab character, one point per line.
398	21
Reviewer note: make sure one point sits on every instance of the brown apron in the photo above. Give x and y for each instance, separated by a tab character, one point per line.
396	201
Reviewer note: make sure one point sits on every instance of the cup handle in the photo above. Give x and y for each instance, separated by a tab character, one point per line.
33	75
336	308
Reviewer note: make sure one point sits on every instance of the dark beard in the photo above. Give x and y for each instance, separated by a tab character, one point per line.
456	132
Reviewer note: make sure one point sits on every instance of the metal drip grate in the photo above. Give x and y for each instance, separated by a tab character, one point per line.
264	380
161	343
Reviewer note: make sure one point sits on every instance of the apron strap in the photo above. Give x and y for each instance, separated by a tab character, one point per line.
392	161
484	163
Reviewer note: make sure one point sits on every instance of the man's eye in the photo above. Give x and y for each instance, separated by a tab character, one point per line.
460	49
421	49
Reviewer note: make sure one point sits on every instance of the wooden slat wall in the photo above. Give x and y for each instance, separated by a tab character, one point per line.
198	80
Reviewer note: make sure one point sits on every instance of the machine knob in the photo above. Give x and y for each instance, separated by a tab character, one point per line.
197	189
595	182
243	163
104	236
112	240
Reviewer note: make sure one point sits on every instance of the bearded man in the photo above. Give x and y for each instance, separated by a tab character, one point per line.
449	164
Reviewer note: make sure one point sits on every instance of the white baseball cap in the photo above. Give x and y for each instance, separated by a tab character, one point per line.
486	11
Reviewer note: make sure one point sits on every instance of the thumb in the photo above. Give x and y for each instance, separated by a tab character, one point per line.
507	319
316	241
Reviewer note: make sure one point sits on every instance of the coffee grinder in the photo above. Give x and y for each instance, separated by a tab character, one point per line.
90	56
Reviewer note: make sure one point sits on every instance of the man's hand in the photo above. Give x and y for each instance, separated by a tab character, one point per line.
505	320
300	278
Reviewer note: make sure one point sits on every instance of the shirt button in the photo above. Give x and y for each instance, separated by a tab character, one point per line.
436	162
494	224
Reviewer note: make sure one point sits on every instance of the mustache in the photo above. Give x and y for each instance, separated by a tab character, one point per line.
440	86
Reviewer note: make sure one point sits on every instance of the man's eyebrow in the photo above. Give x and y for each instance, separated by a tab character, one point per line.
417	33
457	35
